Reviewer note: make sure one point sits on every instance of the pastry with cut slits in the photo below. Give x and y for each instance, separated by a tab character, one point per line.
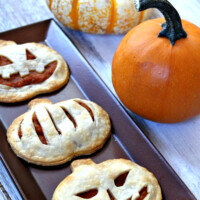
52	134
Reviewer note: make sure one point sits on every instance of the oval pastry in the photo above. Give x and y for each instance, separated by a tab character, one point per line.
29	69
116	179
52	134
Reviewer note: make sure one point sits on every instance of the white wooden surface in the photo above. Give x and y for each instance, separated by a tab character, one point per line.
178	143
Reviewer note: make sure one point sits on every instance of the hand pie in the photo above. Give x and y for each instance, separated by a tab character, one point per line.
29	69
52	134
117	179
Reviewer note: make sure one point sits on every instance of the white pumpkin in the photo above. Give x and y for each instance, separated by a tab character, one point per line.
98	16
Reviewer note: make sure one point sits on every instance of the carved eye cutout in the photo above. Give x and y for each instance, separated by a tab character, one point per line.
70	117
143	193
87	108
88	194
110	195
38	129
120	180
29	55
4	61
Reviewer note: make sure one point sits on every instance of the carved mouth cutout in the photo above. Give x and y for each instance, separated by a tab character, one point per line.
88	194
33	77
119	181
143	193
93	192
110	195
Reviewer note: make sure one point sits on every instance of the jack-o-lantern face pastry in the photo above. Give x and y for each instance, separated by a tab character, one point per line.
116	179
29	69
52	134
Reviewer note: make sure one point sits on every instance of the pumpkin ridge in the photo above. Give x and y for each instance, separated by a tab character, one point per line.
50	4
141	16
57	6
112	17
74	14
167	90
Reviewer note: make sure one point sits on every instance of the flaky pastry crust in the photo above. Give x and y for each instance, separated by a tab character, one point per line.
87	176
83	132
17	55
6	42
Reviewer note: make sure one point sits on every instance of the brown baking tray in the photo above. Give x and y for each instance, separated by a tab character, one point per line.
127	140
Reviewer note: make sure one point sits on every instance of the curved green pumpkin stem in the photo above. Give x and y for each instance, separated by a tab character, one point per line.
172	28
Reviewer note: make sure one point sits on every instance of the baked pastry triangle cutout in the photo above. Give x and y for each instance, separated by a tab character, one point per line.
52	134
117	179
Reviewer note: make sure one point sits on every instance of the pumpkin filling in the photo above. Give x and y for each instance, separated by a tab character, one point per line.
38	129
74	14
59	132
112	18
87	108
29	55
70	117
20	131
110	195
89	194
34	77
141	16
4	61
143	193
50	4
120	180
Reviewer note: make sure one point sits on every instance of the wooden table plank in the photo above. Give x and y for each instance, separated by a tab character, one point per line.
7	188
178	143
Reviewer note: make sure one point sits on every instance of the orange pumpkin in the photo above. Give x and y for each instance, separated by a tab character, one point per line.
156	69
97	16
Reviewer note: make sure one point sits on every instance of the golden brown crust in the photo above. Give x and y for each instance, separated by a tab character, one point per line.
44	56
66	136
35	102
6	42
86	176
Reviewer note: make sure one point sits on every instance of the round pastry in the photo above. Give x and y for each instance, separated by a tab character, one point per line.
52	134
29	69
117	179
